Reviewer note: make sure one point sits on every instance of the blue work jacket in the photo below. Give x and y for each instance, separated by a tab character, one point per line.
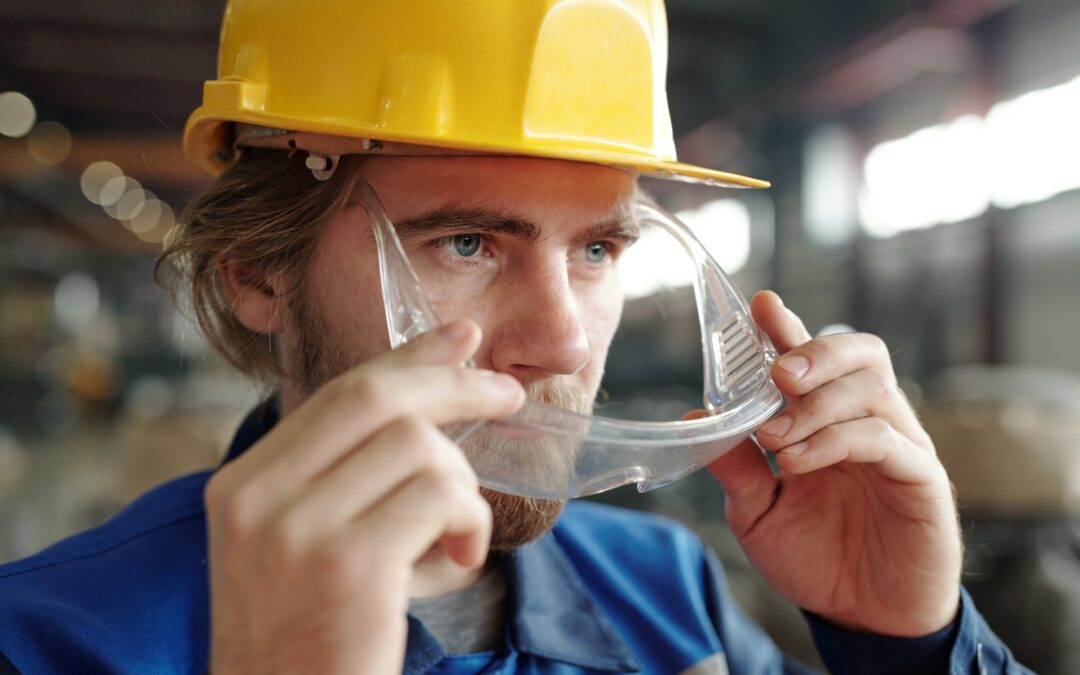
606	591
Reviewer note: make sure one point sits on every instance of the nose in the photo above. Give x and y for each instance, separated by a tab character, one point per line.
540	329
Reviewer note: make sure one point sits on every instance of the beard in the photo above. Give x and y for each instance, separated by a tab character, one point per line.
317	358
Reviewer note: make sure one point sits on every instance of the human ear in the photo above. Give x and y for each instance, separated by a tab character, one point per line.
256	298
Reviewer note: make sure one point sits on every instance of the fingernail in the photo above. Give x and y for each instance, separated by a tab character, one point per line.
796	365
456	331
795	450
777	427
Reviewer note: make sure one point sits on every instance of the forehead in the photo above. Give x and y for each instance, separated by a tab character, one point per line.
547	191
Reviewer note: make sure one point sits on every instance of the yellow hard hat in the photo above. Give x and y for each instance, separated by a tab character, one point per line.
569	79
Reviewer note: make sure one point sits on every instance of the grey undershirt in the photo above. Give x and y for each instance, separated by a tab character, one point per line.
469	620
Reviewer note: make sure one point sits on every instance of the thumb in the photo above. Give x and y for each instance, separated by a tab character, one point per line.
784	327
748	482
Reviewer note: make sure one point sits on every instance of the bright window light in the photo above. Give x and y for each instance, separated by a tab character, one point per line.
1024	151
1036	145
935	175
654	263
831	184
657	261
723	226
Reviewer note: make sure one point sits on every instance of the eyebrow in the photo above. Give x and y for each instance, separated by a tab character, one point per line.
455	220
464	220
620	228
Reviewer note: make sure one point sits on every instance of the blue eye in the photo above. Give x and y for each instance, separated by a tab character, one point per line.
465	245
596	252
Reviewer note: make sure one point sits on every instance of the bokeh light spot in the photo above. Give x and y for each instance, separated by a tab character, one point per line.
95	177
17	114
49	143
166	222
131	204
115	188
76	300
147	218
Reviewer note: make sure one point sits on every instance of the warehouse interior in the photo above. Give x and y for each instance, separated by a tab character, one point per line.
925	167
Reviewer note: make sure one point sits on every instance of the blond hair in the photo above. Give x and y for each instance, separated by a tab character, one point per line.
265	214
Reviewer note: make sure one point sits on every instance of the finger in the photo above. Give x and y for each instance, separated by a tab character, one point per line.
813	363
870	440
747	479
439	394
448	345
451	344
864	393
784	327
295	451
428	509
399	452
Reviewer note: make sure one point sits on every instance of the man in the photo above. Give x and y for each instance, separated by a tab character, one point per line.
346	533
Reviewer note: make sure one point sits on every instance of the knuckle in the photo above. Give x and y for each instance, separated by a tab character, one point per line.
442	485
813	408
419	437
339	387
819	351
362	392
881	429
828	348
876	343
417	452
235	514
882	384
417	429
830	435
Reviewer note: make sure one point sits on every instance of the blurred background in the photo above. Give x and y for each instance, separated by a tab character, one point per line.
925	159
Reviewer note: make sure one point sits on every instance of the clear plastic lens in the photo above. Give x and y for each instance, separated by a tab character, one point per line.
548	452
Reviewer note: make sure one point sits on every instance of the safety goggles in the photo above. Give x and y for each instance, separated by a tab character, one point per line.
545	451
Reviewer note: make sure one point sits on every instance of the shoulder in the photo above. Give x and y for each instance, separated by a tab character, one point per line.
138	579
166	507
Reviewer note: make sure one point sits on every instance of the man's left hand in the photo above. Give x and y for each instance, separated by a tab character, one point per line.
860	526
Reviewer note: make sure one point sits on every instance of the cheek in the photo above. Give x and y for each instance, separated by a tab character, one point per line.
602	307
458	294
343	280
457	299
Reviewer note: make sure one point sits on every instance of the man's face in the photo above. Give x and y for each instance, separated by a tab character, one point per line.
526	248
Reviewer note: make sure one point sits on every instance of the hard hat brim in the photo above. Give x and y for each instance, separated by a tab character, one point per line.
208	142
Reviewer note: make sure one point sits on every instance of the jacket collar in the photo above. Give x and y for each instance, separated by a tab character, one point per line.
256	424
553	614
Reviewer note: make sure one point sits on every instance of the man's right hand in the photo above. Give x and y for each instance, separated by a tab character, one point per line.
314	532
